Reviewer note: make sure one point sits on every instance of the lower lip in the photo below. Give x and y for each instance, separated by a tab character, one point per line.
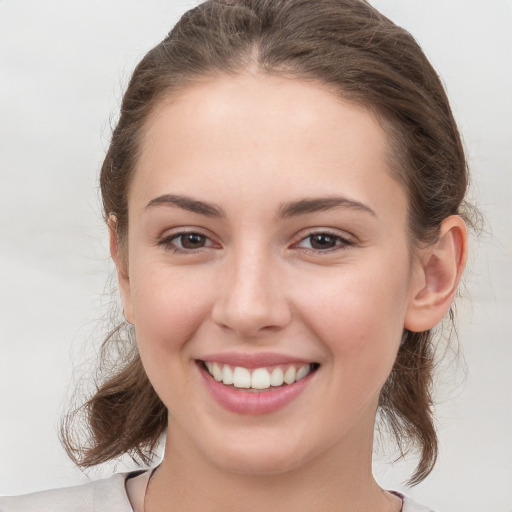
255	402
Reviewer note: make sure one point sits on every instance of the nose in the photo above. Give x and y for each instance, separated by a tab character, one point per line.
251	299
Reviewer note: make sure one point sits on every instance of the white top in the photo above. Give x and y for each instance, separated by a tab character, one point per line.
107	495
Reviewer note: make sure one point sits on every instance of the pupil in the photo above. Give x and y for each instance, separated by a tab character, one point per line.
322	241
192	241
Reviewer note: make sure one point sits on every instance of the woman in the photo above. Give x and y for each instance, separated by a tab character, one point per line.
285	197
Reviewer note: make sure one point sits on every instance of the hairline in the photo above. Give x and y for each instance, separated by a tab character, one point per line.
394	154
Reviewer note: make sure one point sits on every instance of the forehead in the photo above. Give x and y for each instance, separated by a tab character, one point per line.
249	133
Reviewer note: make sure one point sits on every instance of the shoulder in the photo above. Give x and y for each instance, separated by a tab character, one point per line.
412	506
107	495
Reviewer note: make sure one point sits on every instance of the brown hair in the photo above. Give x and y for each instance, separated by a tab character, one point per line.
352	48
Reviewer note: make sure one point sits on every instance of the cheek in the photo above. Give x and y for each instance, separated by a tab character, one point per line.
169	305
359	317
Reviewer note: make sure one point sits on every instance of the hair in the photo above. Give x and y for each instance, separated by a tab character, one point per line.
366	59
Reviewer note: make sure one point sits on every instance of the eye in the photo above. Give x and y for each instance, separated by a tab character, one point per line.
186	242
323	241
190	240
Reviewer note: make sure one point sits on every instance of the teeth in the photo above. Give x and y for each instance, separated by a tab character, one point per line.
302	371
260	378
241	378
217	372
277	378
227	375
289	375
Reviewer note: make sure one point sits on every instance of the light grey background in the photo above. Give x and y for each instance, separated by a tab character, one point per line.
63	67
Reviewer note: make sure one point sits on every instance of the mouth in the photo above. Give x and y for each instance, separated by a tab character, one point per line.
258	379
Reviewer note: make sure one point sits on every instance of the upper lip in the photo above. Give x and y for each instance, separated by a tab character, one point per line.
255	360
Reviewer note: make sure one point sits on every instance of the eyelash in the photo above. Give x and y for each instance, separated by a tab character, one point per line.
340	243
169	241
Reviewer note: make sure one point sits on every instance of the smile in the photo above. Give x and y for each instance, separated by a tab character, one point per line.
256	385
258	378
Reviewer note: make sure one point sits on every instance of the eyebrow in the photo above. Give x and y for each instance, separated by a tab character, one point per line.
305	206
187	203
290	209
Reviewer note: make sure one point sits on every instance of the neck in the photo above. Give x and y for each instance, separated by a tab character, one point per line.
337	481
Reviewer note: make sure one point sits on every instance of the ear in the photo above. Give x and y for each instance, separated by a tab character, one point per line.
121	262
439	271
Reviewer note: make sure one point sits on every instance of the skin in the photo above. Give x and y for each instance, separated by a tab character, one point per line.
256	281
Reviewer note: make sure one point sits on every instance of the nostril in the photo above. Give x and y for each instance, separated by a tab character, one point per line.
251	309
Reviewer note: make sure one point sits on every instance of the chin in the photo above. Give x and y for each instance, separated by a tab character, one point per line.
250	457
262	463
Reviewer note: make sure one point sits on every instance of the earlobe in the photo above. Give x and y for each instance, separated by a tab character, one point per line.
441	267
120	261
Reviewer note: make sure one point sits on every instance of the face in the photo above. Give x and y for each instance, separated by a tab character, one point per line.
269	272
